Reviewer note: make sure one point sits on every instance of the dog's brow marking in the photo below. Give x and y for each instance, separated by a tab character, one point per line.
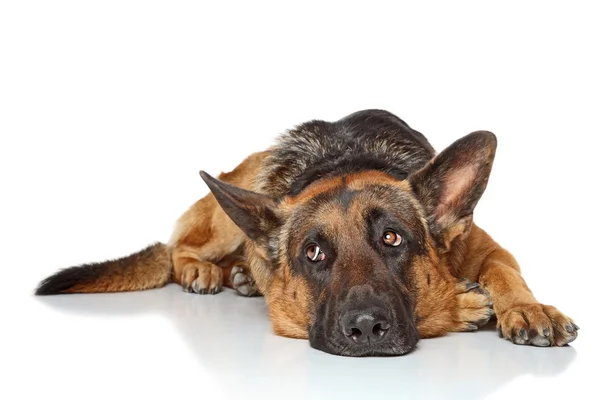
346	197
316	189
356	181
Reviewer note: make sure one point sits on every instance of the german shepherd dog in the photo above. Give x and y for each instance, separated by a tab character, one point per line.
359	236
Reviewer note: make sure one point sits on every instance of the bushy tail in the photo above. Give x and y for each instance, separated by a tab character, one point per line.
147	269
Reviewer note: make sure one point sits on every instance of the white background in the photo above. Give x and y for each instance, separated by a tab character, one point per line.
109	109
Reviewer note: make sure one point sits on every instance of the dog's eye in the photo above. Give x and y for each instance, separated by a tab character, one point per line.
314	253
391	238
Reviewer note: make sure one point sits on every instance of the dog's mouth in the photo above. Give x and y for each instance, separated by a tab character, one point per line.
390	350
397	345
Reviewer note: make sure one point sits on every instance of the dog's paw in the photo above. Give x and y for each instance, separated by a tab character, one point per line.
473	306
241	280
537	325
202	278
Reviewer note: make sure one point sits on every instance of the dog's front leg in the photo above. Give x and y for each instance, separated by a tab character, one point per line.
521	318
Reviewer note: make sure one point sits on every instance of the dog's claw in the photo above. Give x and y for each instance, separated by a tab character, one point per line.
546	332
523	334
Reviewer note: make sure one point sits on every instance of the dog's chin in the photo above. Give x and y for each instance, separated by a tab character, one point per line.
340	346
383	350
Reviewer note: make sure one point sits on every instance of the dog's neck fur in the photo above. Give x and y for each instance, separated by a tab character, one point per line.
365	140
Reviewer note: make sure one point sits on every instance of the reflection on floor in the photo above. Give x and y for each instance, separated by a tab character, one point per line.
231	335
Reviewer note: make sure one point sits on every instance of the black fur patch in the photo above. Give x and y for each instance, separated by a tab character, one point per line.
365	140
65	279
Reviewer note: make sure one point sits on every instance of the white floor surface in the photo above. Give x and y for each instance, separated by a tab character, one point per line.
168	344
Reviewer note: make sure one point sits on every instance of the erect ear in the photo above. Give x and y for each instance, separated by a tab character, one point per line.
252	212
450	186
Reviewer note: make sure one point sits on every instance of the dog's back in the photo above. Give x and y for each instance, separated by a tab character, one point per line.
364	140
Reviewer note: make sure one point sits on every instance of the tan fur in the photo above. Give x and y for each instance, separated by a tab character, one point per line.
289	303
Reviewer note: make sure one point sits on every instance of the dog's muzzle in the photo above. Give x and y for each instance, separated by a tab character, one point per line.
365	324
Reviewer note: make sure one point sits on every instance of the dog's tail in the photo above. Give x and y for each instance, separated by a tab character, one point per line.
147	269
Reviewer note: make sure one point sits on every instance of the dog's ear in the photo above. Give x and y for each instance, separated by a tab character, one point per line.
253	213
450	186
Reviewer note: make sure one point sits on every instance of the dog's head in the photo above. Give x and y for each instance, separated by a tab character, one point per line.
340	262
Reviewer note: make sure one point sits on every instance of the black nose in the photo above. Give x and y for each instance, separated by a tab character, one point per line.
365	326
